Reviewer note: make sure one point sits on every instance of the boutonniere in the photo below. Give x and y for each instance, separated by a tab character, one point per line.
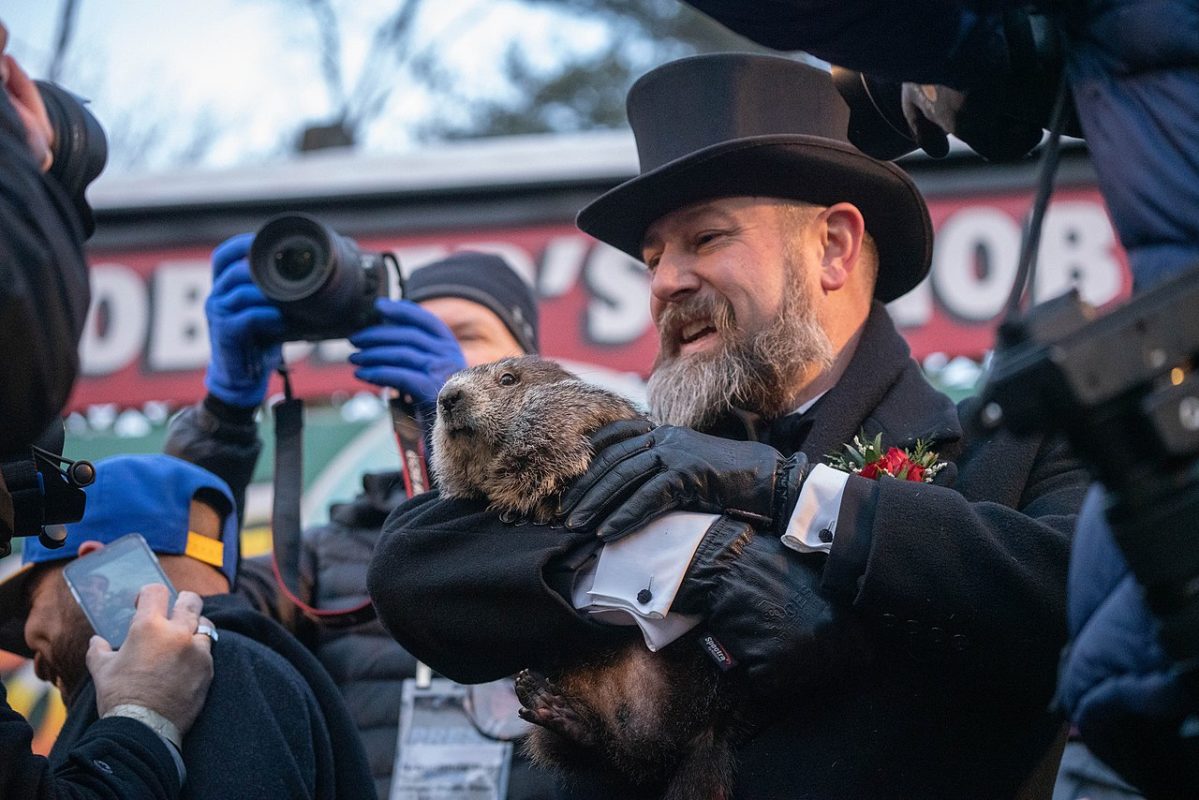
866	457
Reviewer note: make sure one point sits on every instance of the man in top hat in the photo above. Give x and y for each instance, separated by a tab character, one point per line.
273	725
467	309
899	625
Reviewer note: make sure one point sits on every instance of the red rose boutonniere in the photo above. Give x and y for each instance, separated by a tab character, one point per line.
867	458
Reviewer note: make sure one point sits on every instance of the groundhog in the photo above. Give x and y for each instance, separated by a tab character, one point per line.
516	432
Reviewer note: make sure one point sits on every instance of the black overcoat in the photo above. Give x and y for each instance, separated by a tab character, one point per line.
961	585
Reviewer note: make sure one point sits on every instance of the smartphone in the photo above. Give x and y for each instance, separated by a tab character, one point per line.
105	584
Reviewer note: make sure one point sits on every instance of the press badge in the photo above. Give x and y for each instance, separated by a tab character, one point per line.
440	754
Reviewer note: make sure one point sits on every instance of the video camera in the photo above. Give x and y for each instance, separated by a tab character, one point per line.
1124	391
46	489
322	282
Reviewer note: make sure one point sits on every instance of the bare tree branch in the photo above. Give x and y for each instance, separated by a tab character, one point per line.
375	81
66	28
330	52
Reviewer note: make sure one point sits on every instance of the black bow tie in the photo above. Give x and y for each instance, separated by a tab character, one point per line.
787	434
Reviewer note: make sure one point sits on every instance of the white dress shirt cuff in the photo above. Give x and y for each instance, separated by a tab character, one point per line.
813	523
635	579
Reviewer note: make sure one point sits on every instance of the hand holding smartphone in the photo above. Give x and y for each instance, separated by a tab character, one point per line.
106	583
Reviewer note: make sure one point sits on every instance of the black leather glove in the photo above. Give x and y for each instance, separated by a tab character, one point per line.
634	479
764	608
1002	119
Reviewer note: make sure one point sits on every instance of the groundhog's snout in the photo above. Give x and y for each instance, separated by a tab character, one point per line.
449	399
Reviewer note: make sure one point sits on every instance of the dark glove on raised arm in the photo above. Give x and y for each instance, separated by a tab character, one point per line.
637	477
763	605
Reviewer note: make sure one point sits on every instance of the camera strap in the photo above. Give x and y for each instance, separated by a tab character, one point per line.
409	433
286	535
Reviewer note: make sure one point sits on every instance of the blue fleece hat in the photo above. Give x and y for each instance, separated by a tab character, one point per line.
146	494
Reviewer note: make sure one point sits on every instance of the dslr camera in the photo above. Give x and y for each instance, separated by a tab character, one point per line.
1124	390
324	284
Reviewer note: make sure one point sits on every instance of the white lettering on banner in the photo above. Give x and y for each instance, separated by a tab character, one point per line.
561	265
117	320
618	309
296	351
974	262
179	329
335	351
914	308
1078	251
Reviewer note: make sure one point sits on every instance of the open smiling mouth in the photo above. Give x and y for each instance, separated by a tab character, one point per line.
694	331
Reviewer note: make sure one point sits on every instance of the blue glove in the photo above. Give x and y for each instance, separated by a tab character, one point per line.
411	351
245	330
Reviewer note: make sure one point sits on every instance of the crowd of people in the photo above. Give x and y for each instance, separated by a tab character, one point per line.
893	626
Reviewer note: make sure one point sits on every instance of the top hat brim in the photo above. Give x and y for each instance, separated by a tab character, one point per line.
812	169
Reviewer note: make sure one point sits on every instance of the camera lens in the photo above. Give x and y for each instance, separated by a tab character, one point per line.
293	258
322	282
295	261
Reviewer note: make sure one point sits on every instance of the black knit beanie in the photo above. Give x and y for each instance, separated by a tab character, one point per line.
485	279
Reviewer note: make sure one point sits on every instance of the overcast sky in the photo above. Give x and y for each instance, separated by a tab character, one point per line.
247	68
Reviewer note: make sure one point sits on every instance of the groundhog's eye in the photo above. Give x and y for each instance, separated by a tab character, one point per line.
507	379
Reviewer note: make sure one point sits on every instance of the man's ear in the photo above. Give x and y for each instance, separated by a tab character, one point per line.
90	546
843	233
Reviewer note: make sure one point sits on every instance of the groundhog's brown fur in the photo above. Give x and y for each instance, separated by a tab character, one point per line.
517	432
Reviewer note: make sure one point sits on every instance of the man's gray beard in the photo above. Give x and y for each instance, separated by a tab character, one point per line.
759	373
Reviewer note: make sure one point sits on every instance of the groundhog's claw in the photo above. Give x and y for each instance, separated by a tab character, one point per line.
544	705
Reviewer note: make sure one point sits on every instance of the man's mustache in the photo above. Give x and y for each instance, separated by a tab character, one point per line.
676	316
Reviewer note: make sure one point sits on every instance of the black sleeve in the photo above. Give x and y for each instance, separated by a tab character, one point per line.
972	574
926	41
433	557
44	290
117	759
222	439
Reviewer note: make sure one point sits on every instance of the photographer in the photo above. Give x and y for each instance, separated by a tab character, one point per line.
470	308
1132	66
163	672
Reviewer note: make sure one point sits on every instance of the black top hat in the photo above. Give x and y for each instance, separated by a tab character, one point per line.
735	124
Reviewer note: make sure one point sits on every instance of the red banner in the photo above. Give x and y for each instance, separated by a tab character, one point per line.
146	337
